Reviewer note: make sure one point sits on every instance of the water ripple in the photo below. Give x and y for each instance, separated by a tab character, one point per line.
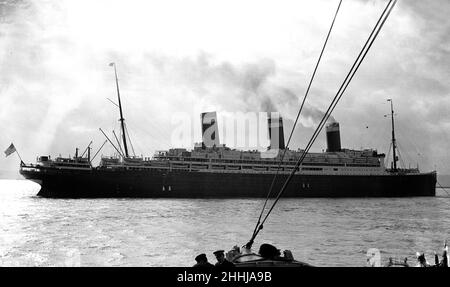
171	232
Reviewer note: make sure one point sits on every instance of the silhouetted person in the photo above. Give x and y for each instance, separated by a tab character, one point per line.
422	260
269	251
202	261
444	262
221	261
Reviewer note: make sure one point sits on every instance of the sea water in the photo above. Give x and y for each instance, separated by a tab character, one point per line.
38	231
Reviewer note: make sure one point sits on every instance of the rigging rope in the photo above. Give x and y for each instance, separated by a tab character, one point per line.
337	97
399	155
442	187
128	136
296	119
386	163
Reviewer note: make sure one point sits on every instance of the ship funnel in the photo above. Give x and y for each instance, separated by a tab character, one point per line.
210	130
276	133
333	137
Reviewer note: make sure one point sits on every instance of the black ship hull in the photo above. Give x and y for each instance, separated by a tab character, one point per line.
96	183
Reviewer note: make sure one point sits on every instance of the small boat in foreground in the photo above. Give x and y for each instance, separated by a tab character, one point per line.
268	256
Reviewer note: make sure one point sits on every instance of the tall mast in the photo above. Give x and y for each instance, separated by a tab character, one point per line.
394	146
121	114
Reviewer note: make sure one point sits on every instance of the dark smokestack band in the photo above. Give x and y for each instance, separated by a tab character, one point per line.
276	132
333	137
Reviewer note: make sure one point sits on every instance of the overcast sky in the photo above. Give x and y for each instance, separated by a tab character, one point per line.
177	57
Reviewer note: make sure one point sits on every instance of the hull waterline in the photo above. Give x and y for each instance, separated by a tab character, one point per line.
185	184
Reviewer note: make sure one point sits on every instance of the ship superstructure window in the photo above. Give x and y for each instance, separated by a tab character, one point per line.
312	168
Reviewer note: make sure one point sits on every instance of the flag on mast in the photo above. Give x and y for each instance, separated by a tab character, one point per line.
111	64
10	150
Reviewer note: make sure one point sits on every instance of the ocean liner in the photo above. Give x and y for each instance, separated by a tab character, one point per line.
212	170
